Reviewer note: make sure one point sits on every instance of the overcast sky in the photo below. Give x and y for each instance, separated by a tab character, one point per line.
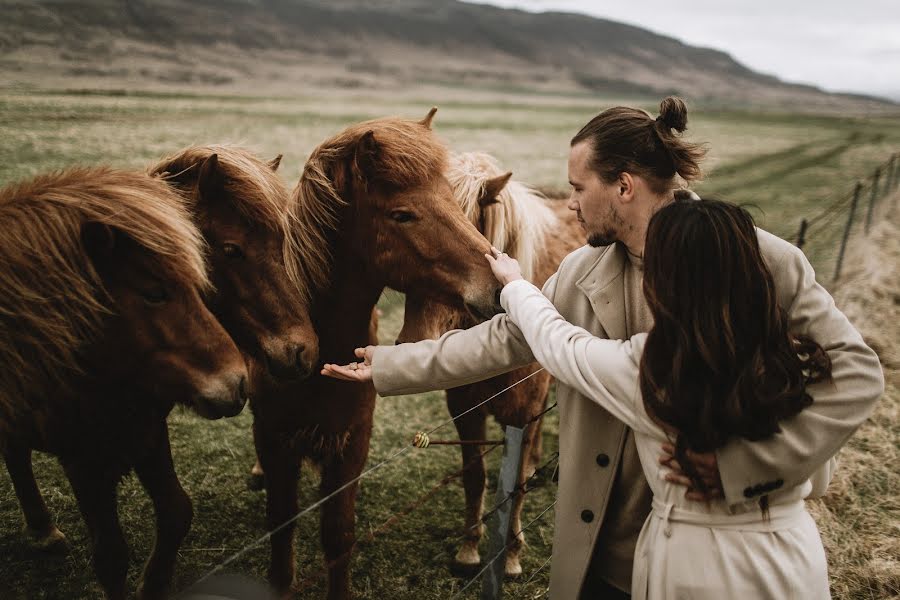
839	45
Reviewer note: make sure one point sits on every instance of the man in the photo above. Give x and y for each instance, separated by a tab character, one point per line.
622	167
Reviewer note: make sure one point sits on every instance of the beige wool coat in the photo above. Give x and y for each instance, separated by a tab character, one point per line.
588	291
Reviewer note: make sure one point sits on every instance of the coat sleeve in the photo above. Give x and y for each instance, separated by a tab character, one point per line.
808	441
458	357
605	371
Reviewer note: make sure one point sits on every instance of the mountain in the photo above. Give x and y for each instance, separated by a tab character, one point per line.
254	45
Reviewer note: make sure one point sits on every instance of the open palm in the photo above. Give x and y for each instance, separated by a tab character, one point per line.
355	371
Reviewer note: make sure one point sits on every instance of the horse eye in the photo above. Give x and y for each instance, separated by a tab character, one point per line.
155	296
402	216
232	251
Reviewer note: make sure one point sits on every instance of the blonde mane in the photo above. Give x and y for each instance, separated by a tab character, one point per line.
253	186
409	154
517	224
53	300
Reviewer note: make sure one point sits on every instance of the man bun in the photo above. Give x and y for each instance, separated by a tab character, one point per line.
673	114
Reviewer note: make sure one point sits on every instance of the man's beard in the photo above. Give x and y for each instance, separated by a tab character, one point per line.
605	238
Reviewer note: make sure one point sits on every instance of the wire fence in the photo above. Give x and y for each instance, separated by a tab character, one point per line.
420	440
825	235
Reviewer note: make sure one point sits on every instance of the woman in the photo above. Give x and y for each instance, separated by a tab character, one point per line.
718	363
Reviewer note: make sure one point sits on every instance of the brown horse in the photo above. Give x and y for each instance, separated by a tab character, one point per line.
373	209
102	326
243	211
538	233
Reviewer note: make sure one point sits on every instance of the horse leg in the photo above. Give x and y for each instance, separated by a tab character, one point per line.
173	514
338	513
39	525
95	491
257	480
516	538
472	427
280	466
537	447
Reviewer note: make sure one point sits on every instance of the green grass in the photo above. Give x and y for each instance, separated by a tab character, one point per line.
790	166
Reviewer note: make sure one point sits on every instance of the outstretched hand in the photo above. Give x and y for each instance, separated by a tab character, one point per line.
355	371
505	267
707	467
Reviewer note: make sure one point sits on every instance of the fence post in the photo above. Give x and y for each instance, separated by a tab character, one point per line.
498	528
840	259
801	235
872	198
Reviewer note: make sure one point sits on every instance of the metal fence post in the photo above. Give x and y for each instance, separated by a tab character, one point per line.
492	584
801	235
872	198
840	259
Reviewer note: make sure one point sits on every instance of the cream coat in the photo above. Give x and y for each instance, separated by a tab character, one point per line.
588	292
686	549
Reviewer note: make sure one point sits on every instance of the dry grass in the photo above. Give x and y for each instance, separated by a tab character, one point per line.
789	165
860	516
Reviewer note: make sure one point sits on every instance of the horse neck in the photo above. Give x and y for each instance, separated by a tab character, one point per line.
343	312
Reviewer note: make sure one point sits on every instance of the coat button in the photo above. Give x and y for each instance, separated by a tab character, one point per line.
603	460
587	516
748	492
778	483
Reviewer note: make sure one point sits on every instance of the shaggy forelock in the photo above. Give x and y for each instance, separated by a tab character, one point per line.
251	185
53	299
409	155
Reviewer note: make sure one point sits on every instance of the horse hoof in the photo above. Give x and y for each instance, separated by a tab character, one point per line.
256	483
513	570
464	570
51	540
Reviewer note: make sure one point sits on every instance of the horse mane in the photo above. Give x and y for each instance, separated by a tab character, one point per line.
409	154
517	224
53	299
255	189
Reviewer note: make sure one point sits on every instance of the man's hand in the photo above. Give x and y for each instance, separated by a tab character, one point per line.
355	371
505	268
706	465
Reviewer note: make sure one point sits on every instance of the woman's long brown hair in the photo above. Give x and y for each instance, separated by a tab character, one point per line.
719	361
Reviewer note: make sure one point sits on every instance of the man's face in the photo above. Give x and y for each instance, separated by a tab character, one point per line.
592	199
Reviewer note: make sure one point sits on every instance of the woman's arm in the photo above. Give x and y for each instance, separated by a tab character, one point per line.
605	371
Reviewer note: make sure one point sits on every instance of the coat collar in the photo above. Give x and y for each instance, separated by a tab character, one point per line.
604	285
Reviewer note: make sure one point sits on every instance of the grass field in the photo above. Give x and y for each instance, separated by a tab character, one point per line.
788	165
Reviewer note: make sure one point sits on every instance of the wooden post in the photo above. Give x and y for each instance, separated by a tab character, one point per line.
840	259
801	235
872	198
498	528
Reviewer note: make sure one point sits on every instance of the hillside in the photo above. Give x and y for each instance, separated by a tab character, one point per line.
258	45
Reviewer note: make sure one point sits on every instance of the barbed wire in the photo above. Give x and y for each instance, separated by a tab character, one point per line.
504	549
391	458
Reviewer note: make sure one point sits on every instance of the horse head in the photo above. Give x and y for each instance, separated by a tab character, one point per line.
242	208
382	183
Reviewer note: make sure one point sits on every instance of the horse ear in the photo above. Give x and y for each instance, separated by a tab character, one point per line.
99	242
366	155
273	164
210	181
429	117
492	189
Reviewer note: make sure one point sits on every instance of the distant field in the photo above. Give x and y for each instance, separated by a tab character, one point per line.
788	165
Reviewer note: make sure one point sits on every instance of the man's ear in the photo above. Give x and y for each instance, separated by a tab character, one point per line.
626	186
211	181
492	189
273	164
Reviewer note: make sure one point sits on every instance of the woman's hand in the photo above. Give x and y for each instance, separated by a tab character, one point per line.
505	268
355	371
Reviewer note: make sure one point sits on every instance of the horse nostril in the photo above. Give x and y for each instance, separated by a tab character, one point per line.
298	356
